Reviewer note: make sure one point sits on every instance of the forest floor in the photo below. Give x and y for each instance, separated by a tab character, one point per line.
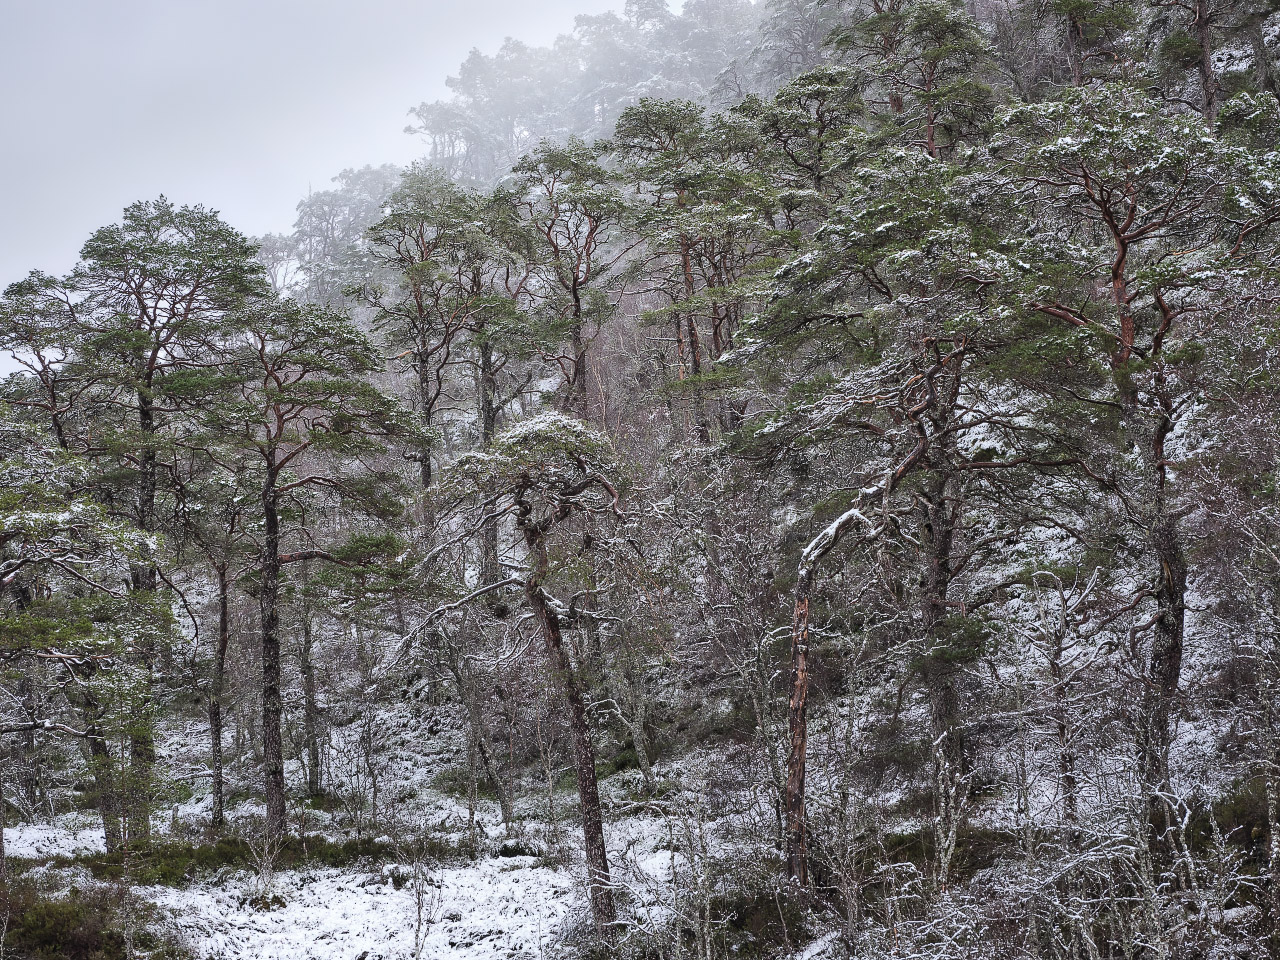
503	903
482	891
494	907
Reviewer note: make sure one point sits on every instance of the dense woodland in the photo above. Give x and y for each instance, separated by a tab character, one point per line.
843	432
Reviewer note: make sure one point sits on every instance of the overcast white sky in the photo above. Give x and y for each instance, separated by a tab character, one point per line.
236	104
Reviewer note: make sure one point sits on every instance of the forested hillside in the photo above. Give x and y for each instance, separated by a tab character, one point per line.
792	479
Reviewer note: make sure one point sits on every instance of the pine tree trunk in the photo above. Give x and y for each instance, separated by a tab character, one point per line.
103	774
694	342
578	380
272	742
1208	80
30	782
1166	660
600	886
1075	56
949	755
310	711
425	401
1263	67
1165	664
793	798
1067	779
490	569
145	578
1271	778
218	818
4	860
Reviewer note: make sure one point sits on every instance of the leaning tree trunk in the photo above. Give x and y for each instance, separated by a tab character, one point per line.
793	800
600	886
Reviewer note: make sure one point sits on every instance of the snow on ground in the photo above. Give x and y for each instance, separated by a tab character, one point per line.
500	907
73	835
819	947
493	908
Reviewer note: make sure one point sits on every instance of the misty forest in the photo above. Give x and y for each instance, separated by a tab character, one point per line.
792	479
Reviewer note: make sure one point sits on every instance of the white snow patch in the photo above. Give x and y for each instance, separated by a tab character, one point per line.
499	907
67	837
818	947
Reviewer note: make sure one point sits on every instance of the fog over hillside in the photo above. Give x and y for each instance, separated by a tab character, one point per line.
745	480
240	106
